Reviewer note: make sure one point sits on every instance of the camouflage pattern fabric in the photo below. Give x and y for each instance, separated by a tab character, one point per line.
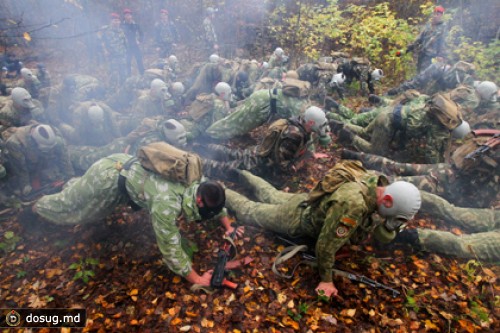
11	116
209	75
198	128
210	34
346	115
149	106
430	43
482	245
340	217
421	139
27	163
255	111
165	36
94	196
116	45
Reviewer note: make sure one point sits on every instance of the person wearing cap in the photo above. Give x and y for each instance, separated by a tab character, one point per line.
284	148
120	179
166	35
431	42
115	49
21	109
406	132
36	155
211	40
149	130
332	220
135	37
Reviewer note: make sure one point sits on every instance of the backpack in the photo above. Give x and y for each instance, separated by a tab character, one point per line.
460	73
445	110
269	141
203	104
170	162
296	88
344	171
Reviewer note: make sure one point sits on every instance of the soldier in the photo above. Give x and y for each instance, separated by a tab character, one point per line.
119	179
465	181
210	40
487	112
333	219
209	75
278	63
359	69
135	37
431	42
207	109
94	124
115	49
30	82
177	90
21	110
149	131
36	155
483	242
284	146
166	36
156	102
438	77
263	105
409	133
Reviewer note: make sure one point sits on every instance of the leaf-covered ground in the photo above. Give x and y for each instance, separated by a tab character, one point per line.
129	289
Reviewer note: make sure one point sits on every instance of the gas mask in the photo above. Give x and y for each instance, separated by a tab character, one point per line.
174	133
207	212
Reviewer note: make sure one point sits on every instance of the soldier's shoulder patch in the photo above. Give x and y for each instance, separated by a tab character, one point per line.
348	221
342	231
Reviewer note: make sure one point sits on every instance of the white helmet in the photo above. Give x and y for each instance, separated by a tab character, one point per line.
461	130
265	65
487	90
96	114
172	59
406	201
44	137
317	115
174	133
223	88
377	74
279	52
210	10
178	88
27	74
337	80
22	98
214	58
159	89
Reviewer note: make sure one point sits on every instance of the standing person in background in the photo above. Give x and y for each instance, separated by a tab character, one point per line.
166	35
135	37
115	49
211	42
431	42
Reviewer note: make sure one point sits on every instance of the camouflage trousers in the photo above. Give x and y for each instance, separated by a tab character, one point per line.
275	210
82	157
482	245
89	198
224	160
118	71
348	116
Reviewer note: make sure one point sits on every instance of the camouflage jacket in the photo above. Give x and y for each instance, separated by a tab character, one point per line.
431	41
11	116
341	217
198	127
115	42
210	34
165	33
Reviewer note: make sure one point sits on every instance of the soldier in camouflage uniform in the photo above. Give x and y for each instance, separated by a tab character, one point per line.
277	65
209	75
431	42
333	219
96	194
437	77
406	133
115	46
94	124
30	82
465	182
286	143
262	106
36	155
156	102
166	35
206	110
149	131
21	110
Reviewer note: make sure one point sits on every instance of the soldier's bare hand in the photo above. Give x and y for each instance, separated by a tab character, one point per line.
239	231
326	288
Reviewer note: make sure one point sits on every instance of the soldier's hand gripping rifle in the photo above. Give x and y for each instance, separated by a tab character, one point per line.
294	248
491	143
51	188
218	280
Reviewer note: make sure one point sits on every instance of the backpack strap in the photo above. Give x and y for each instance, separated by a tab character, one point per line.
122	180
272	103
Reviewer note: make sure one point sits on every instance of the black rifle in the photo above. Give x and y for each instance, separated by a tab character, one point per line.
491	143
350	276
51	188
218	280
